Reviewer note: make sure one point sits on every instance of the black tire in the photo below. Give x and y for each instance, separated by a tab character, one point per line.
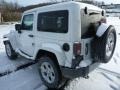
57	74
99	45
12	55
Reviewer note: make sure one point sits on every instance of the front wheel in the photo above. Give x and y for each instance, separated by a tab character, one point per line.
10	52
49	72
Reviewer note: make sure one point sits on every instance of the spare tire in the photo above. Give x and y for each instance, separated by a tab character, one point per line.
103	47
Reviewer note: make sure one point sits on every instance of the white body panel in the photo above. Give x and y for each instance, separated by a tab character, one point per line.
53	42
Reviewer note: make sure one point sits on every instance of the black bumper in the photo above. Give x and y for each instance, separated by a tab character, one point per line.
74	73
81	72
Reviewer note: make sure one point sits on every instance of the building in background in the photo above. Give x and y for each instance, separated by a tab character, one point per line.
112	9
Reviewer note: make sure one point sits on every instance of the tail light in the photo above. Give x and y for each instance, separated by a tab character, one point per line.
77	48
103	20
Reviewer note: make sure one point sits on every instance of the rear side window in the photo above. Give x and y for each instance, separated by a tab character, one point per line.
55	21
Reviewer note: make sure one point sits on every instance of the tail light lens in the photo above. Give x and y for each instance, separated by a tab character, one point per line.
77	48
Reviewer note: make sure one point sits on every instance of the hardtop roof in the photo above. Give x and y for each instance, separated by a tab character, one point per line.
82	6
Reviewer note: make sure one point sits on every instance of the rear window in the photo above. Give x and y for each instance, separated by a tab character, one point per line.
55	21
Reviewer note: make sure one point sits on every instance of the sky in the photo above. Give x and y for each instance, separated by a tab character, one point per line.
30	2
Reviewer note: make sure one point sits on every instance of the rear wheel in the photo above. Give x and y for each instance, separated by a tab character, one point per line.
49	72
10	52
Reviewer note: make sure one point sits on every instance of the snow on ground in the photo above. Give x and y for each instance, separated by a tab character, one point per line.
28	78
98	81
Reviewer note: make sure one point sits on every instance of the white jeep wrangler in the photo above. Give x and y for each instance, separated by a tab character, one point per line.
68	40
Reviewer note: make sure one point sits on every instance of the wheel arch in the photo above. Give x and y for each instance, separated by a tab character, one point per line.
52	49
52	55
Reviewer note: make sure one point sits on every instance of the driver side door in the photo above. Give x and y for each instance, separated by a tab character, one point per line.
26	37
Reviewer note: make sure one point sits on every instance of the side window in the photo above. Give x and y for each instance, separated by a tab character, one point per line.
56	21
27	23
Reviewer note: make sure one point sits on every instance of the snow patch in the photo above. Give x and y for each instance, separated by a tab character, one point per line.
85	63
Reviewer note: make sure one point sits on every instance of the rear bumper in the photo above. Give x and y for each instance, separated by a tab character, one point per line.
81	72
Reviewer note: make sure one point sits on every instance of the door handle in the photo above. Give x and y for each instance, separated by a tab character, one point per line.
31	35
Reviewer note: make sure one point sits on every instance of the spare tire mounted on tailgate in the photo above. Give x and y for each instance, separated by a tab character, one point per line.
103	45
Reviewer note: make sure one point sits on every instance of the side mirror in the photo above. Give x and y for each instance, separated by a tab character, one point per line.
18	28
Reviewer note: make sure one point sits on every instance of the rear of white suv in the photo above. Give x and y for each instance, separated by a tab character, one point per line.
62	39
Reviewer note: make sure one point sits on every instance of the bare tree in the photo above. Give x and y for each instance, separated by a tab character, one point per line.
9	10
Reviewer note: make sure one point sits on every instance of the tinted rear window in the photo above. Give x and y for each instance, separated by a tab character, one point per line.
55	21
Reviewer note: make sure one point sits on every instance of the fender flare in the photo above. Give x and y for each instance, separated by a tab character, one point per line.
11	37
5	38
55	49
